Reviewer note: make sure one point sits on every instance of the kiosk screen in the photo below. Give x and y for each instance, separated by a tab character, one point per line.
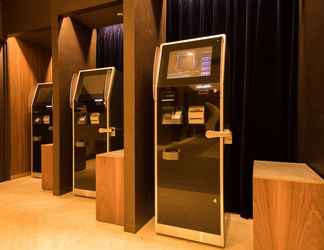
94	82
44	95
190	63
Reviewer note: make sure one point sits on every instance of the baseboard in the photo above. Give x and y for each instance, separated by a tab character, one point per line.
15	176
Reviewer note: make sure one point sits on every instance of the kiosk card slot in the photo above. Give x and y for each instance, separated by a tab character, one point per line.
196	115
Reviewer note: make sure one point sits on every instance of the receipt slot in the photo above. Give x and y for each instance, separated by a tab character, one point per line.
41	124
97	104
189	139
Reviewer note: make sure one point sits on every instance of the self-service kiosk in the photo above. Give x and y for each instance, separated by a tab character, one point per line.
41	124
97	104
189	139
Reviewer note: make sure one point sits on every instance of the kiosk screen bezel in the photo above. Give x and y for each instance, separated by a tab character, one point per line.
215	71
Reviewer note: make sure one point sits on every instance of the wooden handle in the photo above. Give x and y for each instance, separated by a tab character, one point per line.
226	134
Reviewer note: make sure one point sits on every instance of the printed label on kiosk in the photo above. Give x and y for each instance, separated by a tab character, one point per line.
41	124
189	166
97	109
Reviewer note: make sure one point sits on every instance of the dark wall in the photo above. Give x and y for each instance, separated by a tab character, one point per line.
4	173
4	152
1	20
311	85
21	16
142	35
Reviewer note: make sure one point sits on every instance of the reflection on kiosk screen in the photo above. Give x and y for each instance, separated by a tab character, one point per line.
190	63
94	84
43	95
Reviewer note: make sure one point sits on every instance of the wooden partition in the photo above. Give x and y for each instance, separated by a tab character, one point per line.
74	48
71	45
310	88
142	20
27	65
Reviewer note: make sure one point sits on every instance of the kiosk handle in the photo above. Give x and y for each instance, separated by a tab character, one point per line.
226	134
111	131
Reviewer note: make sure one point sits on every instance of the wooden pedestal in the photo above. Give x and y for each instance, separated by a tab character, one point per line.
110	187
47	166
288	207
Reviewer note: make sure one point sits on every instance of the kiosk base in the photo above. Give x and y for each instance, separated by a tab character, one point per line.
84	193
178	232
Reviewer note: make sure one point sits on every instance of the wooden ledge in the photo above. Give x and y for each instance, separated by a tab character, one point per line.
113	154
283	171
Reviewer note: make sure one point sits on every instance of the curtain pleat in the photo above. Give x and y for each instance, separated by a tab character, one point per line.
110	47
262	40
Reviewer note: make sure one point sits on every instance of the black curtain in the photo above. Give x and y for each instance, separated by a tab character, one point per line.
110	47
261	78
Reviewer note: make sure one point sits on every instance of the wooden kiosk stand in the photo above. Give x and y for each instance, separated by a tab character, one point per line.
288	207
110	187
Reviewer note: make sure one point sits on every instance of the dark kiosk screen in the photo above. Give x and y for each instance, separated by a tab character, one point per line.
190	63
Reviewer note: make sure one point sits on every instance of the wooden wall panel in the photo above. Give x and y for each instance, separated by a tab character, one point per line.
73	50
49	71
21	16
310	88
27	65
142	19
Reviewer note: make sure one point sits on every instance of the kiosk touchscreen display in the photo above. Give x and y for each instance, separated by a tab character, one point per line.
43	95
189	63
94	84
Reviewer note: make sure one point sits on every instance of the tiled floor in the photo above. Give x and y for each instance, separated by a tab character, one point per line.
31	219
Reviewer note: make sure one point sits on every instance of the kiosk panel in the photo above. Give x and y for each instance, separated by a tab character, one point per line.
189	166
97	107
41	124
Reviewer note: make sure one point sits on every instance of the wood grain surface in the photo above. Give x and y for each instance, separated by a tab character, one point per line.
47	166
288	215
27	65
142	20
74	48
110	187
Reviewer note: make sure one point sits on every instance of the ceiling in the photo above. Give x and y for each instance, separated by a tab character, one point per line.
100	17
41	37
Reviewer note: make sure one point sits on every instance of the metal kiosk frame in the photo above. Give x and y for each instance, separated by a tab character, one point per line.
109	131
35	174
224	136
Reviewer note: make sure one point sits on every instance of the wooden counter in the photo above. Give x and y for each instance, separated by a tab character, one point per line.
47	166
110	187
288	207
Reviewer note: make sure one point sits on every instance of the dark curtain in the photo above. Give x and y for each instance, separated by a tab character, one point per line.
110	47
261	80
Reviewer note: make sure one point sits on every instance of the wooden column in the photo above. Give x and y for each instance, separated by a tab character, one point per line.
142	20
73	50
288	207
